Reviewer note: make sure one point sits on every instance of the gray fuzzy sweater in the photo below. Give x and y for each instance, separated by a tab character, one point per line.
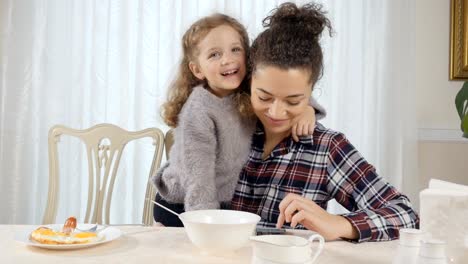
211	145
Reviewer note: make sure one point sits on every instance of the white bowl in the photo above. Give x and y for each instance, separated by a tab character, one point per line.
216	231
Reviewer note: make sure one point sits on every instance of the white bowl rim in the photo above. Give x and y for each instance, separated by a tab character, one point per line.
255	218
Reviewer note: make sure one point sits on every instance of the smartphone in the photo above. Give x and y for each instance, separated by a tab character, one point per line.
270	231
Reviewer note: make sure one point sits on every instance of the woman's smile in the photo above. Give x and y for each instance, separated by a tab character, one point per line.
276	122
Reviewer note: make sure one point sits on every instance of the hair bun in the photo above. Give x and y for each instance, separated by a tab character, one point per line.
309	18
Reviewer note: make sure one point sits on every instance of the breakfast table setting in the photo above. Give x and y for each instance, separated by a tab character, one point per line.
228	236
156	244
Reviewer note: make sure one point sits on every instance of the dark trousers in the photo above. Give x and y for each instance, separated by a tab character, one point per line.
164	217
168	219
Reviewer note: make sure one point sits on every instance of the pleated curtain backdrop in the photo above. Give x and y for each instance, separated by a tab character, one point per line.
84	62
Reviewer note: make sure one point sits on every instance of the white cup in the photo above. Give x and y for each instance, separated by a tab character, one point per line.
286	248
408	246
411	237
432	251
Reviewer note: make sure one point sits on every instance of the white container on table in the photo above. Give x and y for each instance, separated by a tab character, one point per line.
432	251
408	246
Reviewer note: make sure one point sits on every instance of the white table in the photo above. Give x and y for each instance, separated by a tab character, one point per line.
156	245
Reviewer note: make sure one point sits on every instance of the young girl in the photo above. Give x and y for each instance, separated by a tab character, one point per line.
289	183
209	107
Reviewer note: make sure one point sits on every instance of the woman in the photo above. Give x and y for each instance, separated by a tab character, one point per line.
288	182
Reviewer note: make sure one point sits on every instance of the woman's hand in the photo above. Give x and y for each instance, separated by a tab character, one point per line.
296	209
305	124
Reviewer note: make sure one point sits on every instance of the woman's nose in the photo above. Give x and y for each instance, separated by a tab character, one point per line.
277	110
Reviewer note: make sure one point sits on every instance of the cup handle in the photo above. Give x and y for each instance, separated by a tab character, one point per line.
321	241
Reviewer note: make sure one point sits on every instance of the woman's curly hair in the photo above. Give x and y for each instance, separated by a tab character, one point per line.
291	39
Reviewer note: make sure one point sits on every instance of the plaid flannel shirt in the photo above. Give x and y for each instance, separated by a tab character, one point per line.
321	167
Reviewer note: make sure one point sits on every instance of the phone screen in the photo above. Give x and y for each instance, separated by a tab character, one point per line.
270	231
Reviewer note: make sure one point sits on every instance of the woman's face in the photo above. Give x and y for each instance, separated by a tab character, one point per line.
279	96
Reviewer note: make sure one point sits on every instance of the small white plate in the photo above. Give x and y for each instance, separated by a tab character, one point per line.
106	235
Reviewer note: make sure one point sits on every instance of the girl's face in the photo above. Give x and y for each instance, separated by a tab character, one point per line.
278	96
221	60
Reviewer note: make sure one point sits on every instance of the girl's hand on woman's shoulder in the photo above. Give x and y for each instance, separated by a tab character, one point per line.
305	124
295	209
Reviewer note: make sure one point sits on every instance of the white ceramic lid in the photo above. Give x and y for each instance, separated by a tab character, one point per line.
432	248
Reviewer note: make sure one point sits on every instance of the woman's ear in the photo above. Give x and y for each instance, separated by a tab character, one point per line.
195	69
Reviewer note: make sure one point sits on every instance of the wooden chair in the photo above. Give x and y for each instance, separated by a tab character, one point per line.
104	144
168	141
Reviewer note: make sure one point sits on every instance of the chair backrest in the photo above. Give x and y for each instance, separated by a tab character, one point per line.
168	141
104	144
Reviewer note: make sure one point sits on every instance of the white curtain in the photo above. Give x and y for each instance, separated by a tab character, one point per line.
84	62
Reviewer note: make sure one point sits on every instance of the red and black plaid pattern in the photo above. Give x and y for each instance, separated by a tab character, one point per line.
322	167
